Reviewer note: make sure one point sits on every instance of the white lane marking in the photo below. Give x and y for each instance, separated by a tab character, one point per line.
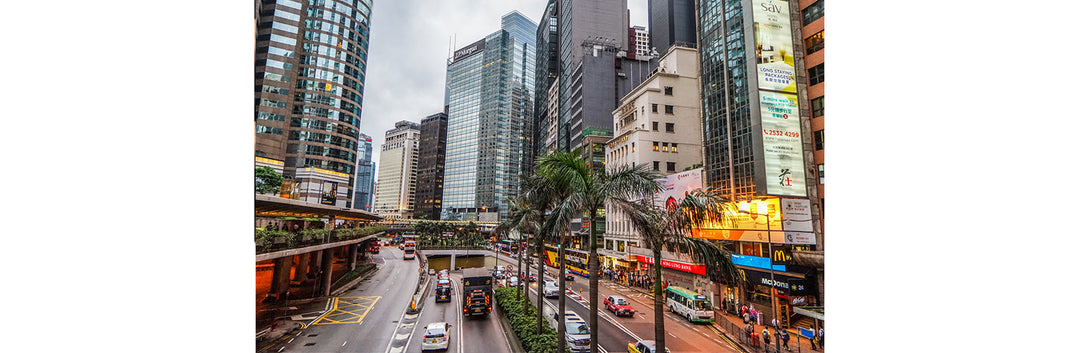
672	335
290	340
718	341
281	349
343	343
601	348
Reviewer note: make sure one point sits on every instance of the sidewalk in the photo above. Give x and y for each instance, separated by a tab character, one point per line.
796	343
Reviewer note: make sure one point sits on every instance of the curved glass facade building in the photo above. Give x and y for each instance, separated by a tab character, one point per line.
310	59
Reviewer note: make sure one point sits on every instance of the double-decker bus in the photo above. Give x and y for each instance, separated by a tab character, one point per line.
689	304
409	245
576	261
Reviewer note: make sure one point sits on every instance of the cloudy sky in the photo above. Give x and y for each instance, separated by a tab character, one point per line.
410	42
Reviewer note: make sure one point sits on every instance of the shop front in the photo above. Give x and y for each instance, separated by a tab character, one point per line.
782	290
683	274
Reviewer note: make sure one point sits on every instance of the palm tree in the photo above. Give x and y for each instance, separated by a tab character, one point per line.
660	227
540	197
587	190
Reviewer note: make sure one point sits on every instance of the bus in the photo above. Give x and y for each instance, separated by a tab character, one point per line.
577	261
689	304
409	245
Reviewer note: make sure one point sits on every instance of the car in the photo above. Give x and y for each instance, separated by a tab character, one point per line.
442	294
444	283
643	347
551	290
436	336
401	246
512	282
499	275
431	272
569	276
618	305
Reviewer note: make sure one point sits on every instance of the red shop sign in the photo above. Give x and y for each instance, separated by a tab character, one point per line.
685	267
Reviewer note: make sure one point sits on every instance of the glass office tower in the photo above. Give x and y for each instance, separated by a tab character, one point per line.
489	99
310	59
365	175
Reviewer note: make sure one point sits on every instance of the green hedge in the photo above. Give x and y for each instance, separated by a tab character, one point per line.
522	316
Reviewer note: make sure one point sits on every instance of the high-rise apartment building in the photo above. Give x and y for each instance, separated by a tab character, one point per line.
310	59
546	111
813	38
396	192
365	175
489	103
758	150
638	38
429	175
658	126
672	22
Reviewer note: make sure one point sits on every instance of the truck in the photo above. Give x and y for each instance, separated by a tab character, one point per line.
476	291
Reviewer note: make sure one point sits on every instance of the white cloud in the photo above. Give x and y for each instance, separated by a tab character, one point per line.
409	45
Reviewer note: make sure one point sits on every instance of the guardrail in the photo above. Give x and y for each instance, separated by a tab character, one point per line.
296	241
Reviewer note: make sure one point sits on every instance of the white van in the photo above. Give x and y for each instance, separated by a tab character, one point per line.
577	330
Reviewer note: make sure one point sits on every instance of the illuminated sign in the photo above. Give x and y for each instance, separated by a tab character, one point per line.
780	121
469	50
681	266
756	262
772	36
674	187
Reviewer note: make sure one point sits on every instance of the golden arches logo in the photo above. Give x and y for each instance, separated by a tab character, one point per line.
780	255
742	275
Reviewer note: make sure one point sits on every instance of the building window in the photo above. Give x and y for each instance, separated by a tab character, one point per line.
674	147
815	42
655	146
655	165
821	173
819	139
816	74
817	106
671	166
654	108
667	90
633	147
813	12
669	127
665	146
655	126
669	109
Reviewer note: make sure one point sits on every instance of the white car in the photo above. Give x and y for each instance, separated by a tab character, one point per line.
512	282
551	290
436	337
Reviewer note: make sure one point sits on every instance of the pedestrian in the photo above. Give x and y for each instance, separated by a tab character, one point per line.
749	330
746	318
775	323
785	337
765	336
742	311
821	337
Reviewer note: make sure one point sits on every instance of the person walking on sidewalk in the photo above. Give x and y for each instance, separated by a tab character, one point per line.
785	337
821	337
749	331
765	336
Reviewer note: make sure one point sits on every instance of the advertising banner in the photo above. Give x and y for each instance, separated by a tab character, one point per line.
329	193
806	238
772	37
756	262
681	266
782	141
675	187
796	215
790	285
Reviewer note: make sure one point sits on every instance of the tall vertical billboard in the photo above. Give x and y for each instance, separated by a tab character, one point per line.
675	187
781	129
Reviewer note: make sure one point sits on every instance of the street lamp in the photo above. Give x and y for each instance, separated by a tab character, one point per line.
772	276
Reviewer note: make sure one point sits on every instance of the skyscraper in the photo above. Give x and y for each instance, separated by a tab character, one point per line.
758	148
489	99
638	38
365	175
670	22
396	192
310	59
432	165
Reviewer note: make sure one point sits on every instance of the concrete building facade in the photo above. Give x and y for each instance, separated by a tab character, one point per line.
672	22
396	192
432	164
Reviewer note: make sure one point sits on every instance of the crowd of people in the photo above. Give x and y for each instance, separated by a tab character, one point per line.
639	279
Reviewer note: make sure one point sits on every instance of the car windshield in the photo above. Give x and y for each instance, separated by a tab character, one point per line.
701	305
577	328
620	301
435	332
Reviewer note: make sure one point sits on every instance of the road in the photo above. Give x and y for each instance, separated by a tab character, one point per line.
372	318
615	332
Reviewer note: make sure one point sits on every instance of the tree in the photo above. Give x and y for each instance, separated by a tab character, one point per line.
267	180
587	190
541	197
660	227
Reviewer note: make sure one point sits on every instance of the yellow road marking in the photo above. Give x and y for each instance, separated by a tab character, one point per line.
338	314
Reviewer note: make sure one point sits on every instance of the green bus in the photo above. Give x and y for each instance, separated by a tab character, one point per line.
689	304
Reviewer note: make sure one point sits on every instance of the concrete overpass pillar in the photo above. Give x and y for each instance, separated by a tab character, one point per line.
453	261
327	267
301	273
280	283
315	264
352	256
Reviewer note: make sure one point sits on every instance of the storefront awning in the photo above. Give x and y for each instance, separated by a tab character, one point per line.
817	312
